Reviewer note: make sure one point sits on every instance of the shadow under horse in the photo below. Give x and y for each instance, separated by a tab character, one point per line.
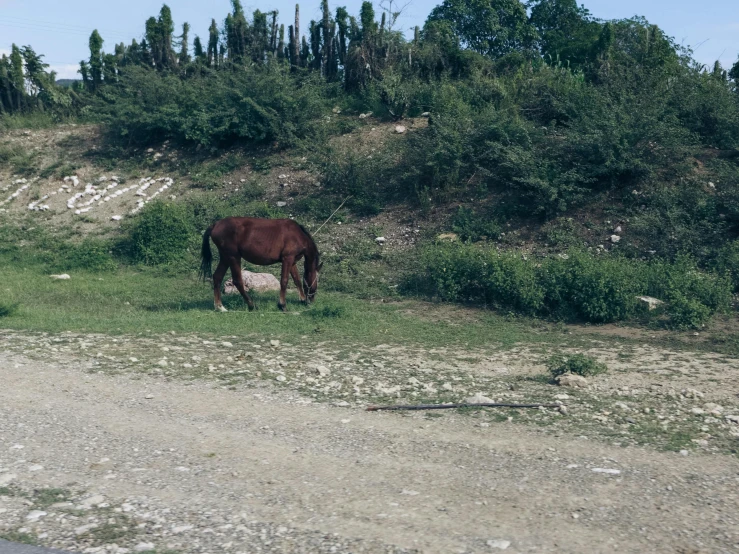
261	242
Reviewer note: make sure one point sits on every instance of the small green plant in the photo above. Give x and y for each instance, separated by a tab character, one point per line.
21	538
7	309
327	312
472	226
43	498
577	364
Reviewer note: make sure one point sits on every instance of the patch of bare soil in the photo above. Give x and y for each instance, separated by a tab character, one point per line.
140	460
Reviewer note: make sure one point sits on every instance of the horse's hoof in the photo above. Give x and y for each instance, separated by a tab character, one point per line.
221	309
282	307
252	307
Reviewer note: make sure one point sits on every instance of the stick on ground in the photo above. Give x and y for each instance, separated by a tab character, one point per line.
463	405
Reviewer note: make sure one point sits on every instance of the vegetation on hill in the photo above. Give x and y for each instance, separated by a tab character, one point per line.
537	113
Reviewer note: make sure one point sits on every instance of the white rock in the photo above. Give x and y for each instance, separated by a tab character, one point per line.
163	363
615	238
713	408
35	515
622	406
606	470
85	528
697	411
380	240
144	547
651	303
116	217
400	129
425	114
499	544
684	452
35	467
323	371
733	418
281	378
571	380
181	528
357	380
274	343
281	204
62	277
93	500
6	478
227	344
562	396
478	398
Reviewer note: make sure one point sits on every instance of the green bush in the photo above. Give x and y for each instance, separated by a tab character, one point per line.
160	234
577	364
7	308
474	227
577	286
727	263
211	108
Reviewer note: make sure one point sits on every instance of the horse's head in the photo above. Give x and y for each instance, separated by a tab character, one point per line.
310	279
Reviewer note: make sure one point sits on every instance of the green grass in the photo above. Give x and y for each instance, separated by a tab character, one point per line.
42	498
132	301
22	538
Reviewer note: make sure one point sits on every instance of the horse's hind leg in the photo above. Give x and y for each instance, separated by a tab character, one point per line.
217	280
296	278
238	279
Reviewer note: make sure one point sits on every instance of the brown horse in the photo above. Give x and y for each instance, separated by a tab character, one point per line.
261	242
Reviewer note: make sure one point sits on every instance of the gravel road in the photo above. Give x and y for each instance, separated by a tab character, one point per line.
140	463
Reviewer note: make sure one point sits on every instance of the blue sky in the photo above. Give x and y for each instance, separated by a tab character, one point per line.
59	29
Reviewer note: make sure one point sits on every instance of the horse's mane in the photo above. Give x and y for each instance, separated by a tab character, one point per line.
307	233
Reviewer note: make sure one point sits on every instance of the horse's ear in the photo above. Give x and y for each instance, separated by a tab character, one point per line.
320	266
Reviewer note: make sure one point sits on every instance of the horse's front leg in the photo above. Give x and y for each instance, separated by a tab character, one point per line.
287	263
296	279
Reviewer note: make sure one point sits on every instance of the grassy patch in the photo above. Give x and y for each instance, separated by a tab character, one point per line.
21	538
43	498
577	364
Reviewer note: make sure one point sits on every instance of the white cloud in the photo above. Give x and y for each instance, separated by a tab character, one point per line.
65	71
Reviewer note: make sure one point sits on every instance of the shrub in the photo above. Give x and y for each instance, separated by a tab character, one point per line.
159	235
212	108
7	308
91	254
577	364
577	286
474	227
727	263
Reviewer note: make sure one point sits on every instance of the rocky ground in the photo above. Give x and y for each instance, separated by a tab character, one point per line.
188	444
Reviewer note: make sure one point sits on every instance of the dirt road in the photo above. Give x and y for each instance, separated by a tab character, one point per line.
144	463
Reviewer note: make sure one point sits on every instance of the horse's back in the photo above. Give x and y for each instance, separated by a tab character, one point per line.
257	238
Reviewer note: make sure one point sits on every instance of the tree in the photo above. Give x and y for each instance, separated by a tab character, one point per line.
198	48
166	31
96	60
342	17
490	27
36	77
294	32
184	57
734	72
16	78
237	30
566	31
213	44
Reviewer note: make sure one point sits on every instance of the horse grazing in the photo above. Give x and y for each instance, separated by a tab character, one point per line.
261	242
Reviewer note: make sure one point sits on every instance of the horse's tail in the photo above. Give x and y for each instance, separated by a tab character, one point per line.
206	270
